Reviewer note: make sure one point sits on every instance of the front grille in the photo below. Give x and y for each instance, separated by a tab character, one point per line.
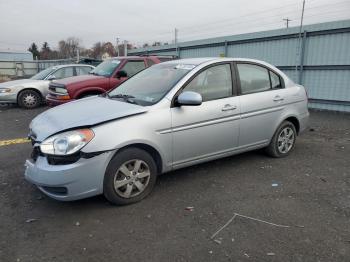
63	160
54	85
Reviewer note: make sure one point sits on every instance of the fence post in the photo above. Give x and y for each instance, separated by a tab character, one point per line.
301	63
178	51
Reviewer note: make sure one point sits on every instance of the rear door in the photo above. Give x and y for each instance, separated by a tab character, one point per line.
262	99
210	129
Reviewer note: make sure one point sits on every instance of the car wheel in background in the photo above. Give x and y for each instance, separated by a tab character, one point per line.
29	99
130	176
283	141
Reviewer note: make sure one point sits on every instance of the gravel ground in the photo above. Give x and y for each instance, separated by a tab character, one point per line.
309	192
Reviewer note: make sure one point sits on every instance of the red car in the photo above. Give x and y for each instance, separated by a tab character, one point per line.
104	77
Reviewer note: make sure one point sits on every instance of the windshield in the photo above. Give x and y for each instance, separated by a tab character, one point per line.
151	84
106	68
42	74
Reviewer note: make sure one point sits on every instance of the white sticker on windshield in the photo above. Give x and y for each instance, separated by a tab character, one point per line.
115	61
185	67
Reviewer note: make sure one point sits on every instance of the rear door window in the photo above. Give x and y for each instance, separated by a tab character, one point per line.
253	78
64	72
83	70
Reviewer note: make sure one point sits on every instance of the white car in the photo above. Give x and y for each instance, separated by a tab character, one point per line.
30	93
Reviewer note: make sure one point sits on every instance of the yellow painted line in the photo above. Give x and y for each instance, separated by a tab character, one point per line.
14	141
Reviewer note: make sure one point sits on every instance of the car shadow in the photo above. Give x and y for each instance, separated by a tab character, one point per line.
169	180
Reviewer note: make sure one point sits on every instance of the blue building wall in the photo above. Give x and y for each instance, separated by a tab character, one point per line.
324	68
15	56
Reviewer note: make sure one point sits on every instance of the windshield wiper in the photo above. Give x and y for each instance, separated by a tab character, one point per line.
126	98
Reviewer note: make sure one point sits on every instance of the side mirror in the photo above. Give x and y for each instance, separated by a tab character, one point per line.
51	77
189	98
121	74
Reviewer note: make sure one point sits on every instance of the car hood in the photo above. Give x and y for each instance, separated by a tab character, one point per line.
18	83
81	113
83	78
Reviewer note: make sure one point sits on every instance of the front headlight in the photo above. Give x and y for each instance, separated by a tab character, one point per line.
67	143
5	90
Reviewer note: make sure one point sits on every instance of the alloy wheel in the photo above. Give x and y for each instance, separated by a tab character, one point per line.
285	140
132	178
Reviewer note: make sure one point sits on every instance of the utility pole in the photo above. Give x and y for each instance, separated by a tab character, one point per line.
298	55
78	55
287	21
117	39
175	37
175	41
125	48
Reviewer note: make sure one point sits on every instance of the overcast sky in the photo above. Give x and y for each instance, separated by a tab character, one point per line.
25	21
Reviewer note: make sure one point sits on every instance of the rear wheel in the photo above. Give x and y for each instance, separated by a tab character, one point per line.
29	99
283	141
130	176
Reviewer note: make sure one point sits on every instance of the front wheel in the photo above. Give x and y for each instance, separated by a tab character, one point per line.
130	176
283	141
29	99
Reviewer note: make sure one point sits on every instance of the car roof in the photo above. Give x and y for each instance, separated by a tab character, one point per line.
125	57
198	61
69	65
191	61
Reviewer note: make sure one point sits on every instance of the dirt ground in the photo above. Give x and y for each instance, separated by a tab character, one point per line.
309	192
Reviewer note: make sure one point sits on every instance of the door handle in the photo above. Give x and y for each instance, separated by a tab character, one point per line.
228	107
278	98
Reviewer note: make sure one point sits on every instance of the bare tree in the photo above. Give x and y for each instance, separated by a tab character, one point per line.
68	48
97	50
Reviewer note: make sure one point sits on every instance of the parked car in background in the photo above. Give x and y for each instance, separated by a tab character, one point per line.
30	93
89	61
107	75
171	115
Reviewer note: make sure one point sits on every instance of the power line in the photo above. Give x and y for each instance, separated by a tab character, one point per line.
258	22
242	19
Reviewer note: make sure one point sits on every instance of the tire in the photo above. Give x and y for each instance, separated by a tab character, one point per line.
29	99
123	182
283	141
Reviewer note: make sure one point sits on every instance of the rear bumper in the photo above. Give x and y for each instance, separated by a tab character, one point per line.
304	122
81	179
51	101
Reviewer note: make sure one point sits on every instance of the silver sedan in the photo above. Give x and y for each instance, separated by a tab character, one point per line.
30	93
169	116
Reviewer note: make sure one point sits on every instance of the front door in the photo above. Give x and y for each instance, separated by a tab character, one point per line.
210	129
